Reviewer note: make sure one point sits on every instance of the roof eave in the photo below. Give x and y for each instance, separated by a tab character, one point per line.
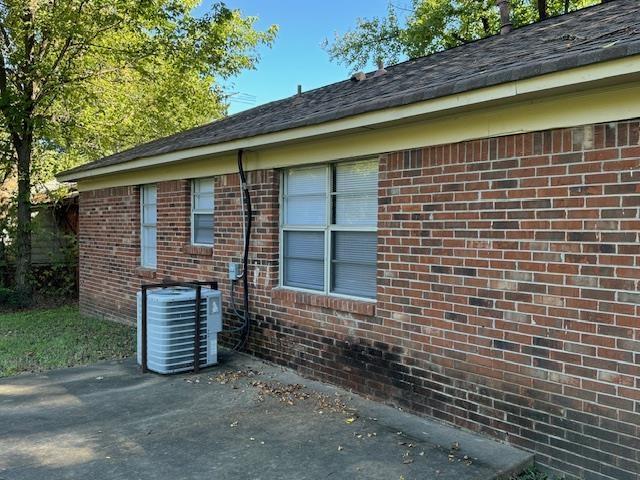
578	76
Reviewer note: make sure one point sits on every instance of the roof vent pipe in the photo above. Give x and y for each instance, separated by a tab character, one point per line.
381	70
299	89
505	16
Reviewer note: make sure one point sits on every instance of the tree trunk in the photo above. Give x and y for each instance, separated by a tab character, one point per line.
485	26
542	9
23	231
3	264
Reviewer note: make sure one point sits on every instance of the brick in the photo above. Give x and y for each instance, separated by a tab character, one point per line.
455	317
507	287
629	297
467	272
564	158
505	225
481	302
502	345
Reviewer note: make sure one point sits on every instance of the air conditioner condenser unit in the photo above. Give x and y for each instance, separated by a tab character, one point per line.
171	328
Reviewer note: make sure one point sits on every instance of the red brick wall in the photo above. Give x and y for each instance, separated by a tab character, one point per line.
110	272
507	295
509	275
109	252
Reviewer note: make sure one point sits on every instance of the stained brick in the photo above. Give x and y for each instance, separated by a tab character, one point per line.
467	272
456	317
629	297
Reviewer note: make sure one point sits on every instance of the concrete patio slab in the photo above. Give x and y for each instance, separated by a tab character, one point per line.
243	419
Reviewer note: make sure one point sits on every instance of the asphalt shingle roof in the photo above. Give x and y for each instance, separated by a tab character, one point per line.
595	34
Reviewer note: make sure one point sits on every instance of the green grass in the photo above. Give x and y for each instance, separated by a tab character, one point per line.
37	340
533	474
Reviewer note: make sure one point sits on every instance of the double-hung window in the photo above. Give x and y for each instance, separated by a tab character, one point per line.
329	219
148	233
202	211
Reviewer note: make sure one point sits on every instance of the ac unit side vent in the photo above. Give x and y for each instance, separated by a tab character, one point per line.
171	327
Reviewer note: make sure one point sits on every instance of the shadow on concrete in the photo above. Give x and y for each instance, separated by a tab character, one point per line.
243	419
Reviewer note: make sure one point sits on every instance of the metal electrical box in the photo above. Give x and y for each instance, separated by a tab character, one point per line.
234	270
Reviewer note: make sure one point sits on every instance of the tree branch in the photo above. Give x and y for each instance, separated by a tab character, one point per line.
3	78
5	107
61	55
5	36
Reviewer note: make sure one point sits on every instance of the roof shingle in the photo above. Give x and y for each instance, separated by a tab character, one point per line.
595	34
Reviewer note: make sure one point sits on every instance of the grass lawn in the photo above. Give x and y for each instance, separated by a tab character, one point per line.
36	340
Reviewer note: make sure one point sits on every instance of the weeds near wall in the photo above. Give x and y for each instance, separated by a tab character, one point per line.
534	474
59	279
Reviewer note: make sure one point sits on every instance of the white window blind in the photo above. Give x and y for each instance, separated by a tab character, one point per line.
353	263
329	220
148	233
306	196
202	211
356	194
304	259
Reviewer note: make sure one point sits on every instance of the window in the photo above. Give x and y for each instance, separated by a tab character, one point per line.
202	211
148	212
329	218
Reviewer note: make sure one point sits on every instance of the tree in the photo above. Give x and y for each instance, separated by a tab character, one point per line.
434	25
542	9
67	66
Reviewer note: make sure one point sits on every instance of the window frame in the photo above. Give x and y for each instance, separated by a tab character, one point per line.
144	263
195	212
328	228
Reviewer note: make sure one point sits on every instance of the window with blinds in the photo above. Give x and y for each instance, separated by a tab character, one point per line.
329	219
202	211
148	230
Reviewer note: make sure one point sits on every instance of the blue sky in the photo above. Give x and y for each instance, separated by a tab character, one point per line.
297	56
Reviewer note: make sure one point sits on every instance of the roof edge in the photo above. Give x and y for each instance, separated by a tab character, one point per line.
613	63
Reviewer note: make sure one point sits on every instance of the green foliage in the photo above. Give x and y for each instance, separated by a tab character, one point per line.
124	109
54	282
58	281
80	79
37	340
378	38
7	232
533	474
431	26
148	87
99	76
13	299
